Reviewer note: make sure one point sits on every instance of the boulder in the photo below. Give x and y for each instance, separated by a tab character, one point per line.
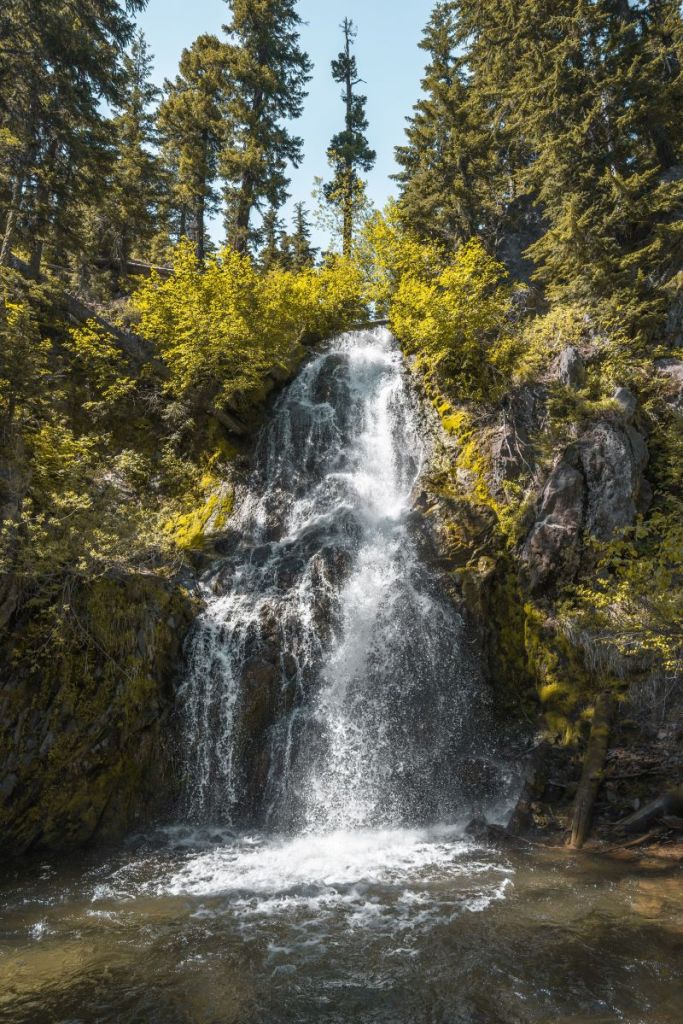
570	368
672	369
613	460
597	487
627	403
552	548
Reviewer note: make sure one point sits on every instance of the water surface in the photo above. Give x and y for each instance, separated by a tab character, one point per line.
391	926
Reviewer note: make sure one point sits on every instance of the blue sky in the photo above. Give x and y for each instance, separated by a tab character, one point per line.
388	56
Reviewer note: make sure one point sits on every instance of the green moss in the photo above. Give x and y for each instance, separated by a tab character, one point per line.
189	530
565	686
83	728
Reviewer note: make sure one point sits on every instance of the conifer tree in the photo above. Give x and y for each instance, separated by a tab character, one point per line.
57	63
349	151
554	127
300	251
272	238
459	165
268	72
595	91
437	177
191	123
130	205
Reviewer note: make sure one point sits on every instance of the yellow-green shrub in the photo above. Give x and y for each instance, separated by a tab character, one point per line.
447	313
220	328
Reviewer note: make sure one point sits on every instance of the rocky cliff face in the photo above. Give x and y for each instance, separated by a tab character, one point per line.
85	748
520	510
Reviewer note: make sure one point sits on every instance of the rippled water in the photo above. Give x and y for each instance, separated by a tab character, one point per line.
394	926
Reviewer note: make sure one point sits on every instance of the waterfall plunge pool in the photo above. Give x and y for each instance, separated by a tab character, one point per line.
399	926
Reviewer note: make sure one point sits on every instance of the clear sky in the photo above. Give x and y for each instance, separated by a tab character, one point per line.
389	61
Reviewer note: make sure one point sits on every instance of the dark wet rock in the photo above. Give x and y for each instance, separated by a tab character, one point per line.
258	695
261	555
570	368
483	831
288	571
289	664
328	384
84	738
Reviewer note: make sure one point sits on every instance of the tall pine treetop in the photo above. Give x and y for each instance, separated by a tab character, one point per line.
349	151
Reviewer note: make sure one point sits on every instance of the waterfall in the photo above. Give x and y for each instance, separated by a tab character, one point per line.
330	683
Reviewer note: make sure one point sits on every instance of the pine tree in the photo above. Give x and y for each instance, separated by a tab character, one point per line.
596	90
129	208
553	128
272	237
459	165
437	179
349	151
191	124
300	251
268	71
58	62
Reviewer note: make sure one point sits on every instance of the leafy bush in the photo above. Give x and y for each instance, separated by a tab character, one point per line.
221	328
449	314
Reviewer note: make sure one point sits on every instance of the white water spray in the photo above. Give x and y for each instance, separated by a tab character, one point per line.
330	685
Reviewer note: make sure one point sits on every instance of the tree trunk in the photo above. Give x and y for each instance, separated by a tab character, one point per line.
347	239
36	259
593	764
201	248
347	234
43	202
7	238
240	232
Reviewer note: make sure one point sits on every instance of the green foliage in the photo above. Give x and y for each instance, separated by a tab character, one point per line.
191	124
268	72
552	130
449	319
124	219
299	253
222	329
57	63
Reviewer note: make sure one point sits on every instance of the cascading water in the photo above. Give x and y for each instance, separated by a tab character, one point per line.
329	682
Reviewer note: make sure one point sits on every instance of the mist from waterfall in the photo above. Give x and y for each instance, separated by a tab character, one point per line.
330	684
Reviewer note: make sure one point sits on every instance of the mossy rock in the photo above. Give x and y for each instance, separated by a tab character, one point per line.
84	713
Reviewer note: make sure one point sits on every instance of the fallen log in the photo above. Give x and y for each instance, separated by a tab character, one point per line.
135	347
669	804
